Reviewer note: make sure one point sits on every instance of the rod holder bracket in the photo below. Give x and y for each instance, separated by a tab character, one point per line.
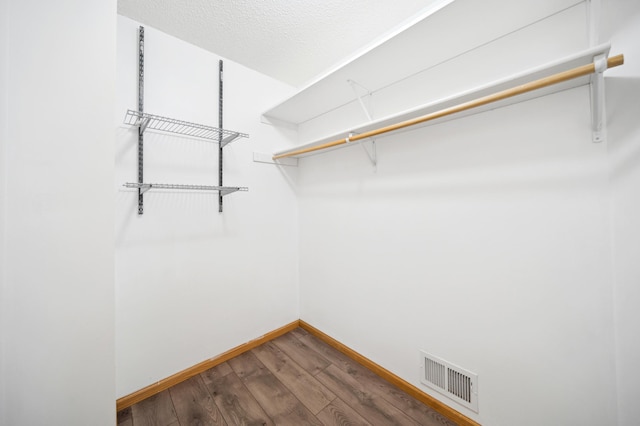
348	138
371	154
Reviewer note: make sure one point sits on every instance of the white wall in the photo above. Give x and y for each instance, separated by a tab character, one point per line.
484	240
622	25
57	294
4	43
192	283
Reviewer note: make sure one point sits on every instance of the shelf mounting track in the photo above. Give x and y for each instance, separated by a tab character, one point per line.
220	124
141	110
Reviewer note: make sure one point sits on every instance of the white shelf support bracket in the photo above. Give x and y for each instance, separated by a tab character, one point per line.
354	86
598	118
371	154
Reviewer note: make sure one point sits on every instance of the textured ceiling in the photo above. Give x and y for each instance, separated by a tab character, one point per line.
290	40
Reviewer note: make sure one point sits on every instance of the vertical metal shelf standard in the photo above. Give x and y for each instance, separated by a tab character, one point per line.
220	146
141	128
146	121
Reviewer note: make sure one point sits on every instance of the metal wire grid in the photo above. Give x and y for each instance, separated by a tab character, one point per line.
224	190
171	125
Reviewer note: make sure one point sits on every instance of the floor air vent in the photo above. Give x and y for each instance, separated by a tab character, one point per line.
456	383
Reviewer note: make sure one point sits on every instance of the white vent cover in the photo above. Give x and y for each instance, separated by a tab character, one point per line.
452	381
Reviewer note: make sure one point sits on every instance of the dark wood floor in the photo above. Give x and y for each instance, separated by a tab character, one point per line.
295	380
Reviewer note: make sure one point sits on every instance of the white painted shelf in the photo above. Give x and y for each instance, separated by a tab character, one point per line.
567	63
412	49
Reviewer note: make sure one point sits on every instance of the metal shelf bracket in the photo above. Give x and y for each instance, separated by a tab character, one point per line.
143	187
598	117
144	122
229	139
368	93
371	154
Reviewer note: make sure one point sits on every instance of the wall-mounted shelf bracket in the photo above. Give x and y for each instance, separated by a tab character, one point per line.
371	154
230	138
143	187
598	118
354	85
144	123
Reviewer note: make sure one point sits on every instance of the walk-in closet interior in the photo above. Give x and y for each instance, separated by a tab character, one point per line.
445	193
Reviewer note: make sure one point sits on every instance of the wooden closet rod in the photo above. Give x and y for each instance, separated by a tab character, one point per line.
581	71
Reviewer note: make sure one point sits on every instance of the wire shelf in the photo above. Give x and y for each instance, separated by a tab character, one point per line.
224	190
170	125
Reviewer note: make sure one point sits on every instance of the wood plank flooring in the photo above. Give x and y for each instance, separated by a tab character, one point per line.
294	380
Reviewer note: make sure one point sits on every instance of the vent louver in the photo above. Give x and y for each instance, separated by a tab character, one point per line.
452	381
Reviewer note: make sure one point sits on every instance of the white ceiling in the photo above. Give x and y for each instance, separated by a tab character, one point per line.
290	40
